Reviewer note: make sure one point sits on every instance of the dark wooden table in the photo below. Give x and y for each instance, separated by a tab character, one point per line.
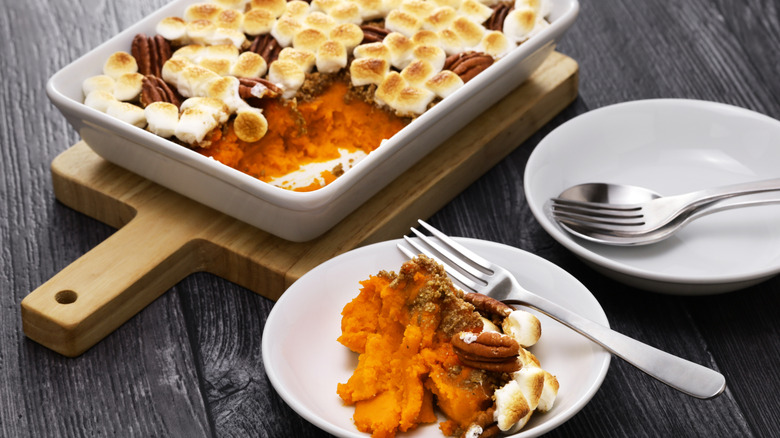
190	364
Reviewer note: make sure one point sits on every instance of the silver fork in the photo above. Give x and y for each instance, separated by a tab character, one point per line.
688	377
649	216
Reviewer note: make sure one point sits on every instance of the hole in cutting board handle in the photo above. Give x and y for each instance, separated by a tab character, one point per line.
66	297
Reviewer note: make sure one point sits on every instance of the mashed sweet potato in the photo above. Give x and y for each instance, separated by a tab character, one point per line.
401	326
302	132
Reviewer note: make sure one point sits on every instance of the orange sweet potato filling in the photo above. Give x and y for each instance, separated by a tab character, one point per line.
306	132
401	327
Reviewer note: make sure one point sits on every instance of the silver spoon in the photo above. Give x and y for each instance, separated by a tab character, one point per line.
626	194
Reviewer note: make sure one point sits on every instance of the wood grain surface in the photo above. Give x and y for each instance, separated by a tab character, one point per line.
189	365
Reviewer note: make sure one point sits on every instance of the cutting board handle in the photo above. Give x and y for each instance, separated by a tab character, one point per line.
105	287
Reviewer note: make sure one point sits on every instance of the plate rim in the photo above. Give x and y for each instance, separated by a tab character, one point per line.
302	410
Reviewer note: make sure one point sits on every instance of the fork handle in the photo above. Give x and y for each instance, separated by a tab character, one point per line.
717	193
683	375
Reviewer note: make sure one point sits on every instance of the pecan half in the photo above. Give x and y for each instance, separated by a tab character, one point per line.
373	34
267	47
489	351
248	88
468	64
500	11
154	89
488	307
150	53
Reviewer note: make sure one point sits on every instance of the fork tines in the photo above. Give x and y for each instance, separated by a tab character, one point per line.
596	213
459	262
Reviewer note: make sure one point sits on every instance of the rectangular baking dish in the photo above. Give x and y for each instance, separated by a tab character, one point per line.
295	216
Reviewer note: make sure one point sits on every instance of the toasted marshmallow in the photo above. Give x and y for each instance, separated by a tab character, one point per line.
304	59
120	63
284	30
541	7
370	9
238	5
172	29
390	5
417	8
162	118
297	9
425	38
549	393
528	359
222	35
400	48
127	112
99	100
199	115
373	50
418	72
511	406
202	11
173	68
331	57
348	34
200	31
468	30
230	19
488	326
258	22
523	326
128	86
191	52
320	21
444	83
432	54
519	24
402	22
450	41
531	380
309	40
193	125
365	71
413	101
221	51
99	82
275	7
324	5
495	44
249	65
475	10
226	90
454	4
286	75
194	81
346	12
250	125
440	19
218	66
214	107
388	91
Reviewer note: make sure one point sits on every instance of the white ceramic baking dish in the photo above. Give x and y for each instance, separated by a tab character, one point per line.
296	216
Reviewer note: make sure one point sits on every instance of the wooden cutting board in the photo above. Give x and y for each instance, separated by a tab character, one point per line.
163	237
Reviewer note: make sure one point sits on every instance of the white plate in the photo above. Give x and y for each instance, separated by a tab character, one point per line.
670	146
304	362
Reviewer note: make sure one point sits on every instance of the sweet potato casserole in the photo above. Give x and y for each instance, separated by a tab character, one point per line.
271	87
